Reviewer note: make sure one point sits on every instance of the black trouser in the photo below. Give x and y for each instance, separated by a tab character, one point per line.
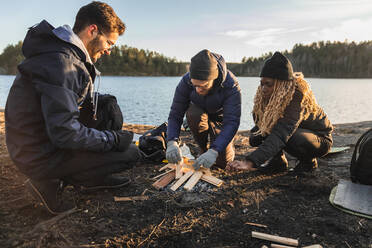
80	167
304	144
203	126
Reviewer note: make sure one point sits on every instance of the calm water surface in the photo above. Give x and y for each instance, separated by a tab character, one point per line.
146	100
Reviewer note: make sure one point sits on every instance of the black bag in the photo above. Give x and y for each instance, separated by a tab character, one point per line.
153	143
361	162
109	115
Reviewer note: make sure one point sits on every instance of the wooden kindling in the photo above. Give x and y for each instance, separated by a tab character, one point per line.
184	172
212	180
182	180
193	180
273	238
281	246
165	180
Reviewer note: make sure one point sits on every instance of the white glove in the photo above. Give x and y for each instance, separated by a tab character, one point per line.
173	153
207	159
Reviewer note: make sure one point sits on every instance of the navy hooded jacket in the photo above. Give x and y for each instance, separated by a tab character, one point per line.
224	99
42	109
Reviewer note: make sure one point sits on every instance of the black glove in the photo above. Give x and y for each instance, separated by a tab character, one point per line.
122	140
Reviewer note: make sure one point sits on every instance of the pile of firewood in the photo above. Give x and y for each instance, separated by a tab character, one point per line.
184	173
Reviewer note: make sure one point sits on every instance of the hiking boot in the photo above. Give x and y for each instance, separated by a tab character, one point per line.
49	193
305	166
278	163
109	182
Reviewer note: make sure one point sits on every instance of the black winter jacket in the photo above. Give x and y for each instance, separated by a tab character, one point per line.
286	126
42	109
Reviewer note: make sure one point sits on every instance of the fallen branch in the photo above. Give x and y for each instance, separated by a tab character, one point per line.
45	225
131	198
255	224
273	238
153	230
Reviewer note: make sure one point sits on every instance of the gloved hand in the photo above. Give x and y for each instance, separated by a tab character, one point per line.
123	139
173	153
207	159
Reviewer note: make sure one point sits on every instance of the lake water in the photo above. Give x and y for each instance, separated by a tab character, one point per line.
147	100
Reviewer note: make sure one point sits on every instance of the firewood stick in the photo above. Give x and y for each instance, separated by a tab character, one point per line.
182	180
281	246
162	174
178	171
313	246
131	198
164	181
212	180
273	238
166	167
193	180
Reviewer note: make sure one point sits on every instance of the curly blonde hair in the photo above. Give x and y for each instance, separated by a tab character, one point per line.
266	113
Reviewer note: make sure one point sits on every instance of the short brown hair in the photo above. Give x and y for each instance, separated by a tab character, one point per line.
101	14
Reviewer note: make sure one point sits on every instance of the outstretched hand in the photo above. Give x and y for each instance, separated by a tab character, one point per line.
237	165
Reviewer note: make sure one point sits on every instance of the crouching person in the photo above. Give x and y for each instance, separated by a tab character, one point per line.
210	96
287	118
47	138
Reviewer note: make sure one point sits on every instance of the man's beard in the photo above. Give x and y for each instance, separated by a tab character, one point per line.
92	49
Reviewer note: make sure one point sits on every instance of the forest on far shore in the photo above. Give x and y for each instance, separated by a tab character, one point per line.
319	59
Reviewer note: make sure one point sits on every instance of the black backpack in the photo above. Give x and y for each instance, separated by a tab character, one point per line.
153	143
109	115
361	162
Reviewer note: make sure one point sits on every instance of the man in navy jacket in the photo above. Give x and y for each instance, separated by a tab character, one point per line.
210	96
45	136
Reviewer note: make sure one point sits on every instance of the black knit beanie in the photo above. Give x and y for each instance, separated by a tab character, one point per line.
278	67
203	66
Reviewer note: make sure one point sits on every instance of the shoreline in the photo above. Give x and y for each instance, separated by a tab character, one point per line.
146	126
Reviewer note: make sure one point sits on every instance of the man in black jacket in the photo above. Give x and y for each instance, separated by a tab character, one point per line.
45	134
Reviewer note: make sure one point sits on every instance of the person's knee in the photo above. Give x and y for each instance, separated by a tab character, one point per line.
194	115
132	154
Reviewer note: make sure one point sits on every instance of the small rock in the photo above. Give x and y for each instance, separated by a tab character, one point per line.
313	235
265	211
245	211
86	211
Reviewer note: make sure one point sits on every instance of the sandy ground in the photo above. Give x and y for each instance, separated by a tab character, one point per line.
289	206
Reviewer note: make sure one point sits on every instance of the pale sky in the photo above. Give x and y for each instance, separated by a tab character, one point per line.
179	29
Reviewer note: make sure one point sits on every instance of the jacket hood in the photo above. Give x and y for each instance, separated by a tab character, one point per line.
221	64
44	38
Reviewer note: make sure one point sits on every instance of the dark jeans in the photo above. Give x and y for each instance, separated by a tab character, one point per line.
304	144
204	126
85	167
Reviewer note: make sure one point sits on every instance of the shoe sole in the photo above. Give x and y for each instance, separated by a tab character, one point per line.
86	189
38	196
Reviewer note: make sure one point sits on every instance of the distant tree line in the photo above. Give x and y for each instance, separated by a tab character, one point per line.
123	61
319	59
130	61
